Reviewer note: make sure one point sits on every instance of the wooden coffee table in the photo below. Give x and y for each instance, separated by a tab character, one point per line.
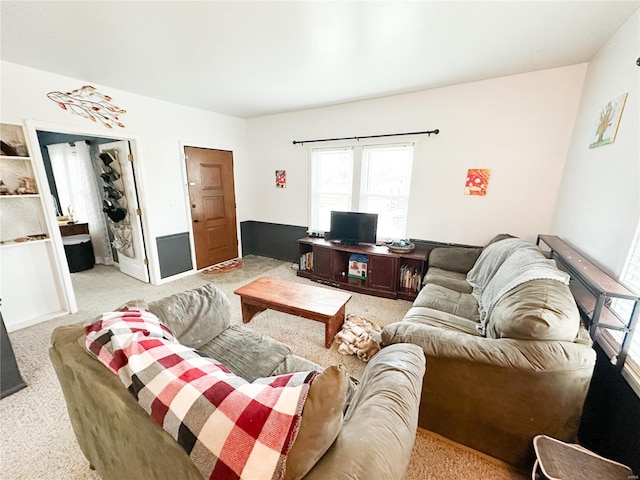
315	303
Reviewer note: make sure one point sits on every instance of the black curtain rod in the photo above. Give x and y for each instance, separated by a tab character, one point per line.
428	132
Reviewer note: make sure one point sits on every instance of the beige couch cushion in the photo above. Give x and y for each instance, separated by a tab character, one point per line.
437	318
247	353
449	301
321	421
195	316
453	280
536	310
456	259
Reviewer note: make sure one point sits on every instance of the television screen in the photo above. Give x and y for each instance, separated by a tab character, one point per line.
353	227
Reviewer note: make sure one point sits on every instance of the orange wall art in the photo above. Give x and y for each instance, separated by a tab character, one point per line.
477	181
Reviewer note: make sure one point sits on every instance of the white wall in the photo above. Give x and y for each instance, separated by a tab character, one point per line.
599	204
159	128
518	126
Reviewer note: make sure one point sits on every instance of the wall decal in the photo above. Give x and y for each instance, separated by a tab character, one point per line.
608	122
281	179
89	103
477	181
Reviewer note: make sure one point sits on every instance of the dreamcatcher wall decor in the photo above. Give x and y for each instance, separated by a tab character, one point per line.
89	103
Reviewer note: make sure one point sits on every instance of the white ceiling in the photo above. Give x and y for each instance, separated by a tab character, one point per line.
249	59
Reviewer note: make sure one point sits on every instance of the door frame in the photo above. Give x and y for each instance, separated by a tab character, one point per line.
62	267
187	201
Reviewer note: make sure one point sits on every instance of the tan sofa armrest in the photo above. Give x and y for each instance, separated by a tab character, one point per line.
496	395
380	424
111	428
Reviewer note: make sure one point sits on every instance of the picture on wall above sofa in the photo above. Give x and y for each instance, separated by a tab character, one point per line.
608	122
477	181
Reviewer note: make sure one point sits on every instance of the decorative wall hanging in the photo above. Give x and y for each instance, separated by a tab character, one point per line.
89	103
281	179
608	122
477	181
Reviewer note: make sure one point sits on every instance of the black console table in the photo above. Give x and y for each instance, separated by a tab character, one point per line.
593	290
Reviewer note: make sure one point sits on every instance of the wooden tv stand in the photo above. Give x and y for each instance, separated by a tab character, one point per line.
389	275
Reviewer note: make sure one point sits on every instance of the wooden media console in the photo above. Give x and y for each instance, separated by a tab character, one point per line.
388	274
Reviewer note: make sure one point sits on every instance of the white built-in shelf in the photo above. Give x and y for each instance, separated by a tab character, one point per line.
24	195
14	157
10	244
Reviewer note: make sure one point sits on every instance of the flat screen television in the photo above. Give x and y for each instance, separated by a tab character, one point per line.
352	228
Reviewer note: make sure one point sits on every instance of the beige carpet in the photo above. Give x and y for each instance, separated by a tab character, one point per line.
37	441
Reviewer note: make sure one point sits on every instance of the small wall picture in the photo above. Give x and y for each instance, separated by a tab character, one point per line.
281	179
477	181
608	121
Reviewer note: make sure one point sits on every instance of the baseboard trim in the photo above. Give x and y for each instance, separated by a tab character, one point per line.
34	321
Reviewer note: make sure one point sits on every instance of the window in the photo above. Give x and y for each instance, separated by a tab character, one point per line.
623	308
384	187
372	179
331	185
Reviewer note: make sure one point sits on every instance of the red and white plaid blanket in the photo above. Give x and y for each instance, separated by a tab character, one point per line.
231	429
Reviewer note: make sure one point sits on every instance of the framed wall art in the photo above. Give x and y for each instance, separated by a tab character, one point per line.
608	121
477	181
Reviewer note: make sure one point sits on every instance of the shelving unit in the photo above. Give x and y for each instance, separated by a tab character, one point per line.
27	251
593	290
328	262
22	212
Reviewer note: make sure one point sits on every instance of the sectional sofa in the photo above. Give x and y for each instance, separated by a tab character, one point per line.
508	357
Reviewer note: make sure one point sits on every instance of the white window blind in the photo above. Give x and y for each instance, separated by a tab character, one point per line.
384	187
331	185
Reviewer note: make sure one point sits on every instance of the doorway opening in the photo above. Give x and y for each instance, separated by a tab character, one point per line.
94	192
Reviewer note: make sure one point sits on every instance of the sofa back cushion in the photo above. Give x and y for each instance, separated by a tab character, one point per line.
497	238
535	310
195	316
454	259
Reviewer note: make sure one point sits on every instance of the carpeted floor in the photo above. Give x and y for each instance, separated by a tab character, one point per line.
37	441
252	266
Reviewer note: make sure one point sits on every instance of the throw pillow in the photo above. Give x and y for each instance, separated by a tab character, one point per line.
320	423
536	310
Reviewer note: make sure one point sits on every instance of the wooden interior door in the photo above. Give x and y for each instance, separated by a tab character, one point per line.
213	205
